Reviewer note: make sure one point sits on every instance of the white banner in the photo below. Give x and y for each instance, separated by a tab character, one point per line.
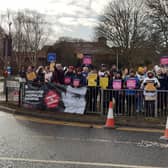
74	100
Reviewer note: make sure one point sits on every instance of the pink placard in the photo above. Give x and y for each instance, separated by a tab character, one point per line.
131	83
76	82
117	84
87	60
67	80
164	61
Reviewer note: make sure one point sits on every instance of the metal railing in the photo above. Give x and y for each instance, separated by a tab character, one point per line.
130	103
2	89
126	102
11	91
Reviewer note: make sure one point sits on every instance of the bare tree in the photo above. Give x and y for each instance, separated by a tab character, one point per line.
158	13
123	24
30	32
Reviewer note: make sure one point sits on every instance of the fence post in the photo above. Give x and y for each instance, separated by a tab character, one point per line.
102	98
156	105
20	94
6	90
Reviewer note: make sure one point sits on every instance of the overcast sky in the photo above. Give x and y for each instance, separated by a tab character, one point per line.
75	18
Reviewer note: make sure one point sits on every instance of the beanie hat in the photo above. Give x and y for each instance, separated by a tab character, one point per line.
140	70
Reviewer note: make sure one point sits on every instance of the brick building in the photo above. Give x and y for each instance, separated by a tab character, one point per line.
67	52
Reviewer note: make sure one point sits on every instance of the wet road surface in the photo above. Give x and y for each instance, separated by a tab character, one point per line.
25	143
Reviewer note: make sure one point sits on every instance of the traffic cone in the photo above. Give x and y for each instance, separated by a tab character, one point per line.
165	137
110	123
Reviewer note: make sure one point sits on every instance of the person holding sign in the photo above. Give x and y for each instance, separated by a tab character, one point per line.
92	91
85	74
30	74
150	85
139	102
131	83
68	76
77	80
116	83
40	74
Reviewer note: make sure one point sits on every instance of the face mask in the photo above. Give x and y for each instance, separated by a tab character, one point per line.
150	75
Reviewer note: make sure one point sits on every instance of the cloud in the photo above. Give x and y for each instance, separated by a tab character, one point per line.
64	15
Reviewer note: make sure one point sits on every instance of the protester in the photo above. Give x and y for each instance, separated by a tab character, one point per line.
117	85
123	86
93	90
113	70
102	70
125	73
40	74
162	96
30	74
47	74
85	75
58	74
150	85
131	83
78	79
139	99
68	75
22	74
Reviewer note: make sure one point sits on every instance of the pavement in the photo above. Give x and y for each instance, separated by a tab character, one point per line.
135	122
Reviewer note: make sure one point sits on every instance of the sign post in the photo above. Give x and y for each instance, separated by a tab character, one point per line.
51	57
164	60
87	60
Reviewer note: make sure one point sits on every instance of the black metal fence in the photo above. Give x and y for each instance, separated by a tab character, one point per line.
126	102
2	89
134	103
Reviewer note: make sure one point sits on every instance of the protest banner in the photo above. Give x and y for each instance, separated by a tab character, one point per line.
131	83
117	84
58	98
104	82
92	79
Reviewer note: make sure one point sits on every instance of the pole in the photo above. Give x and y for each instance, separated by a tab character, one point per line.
117	59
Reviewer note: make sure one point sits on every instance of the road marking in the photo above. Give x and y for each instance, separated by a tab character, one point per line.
39	120
53	122
77	124
74	163
140	130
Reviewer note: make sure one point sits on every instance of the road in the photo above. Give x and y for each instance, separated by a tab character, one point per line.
27	142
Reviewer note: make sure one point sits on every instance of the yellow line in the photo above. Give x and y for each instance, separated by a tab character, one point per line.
45	121
73	163
77	124
140	130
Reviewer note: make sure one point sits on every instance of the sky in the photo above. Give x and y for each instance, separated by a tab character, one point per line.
72	18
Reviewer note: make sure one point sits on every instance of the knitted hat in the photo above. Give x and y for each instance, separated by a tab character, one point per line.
140	70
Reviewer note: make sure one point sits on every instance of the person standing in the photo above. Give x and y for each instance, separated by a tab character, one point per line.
116	84
131	83
58	74
47	74
68	75
150	85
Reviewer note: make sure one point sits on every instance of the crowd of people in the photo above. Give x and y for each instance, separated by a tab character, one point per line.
131	80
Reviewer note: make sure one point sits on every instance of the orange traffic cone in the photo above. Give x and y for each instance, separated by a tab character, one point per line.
165	137
110	117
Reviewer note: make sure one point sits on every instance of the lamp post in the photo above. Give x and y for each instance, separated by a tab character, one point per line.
117	59
8	49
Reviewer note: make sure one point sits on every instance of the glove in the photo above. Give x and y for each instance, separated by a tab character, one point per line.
155	84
